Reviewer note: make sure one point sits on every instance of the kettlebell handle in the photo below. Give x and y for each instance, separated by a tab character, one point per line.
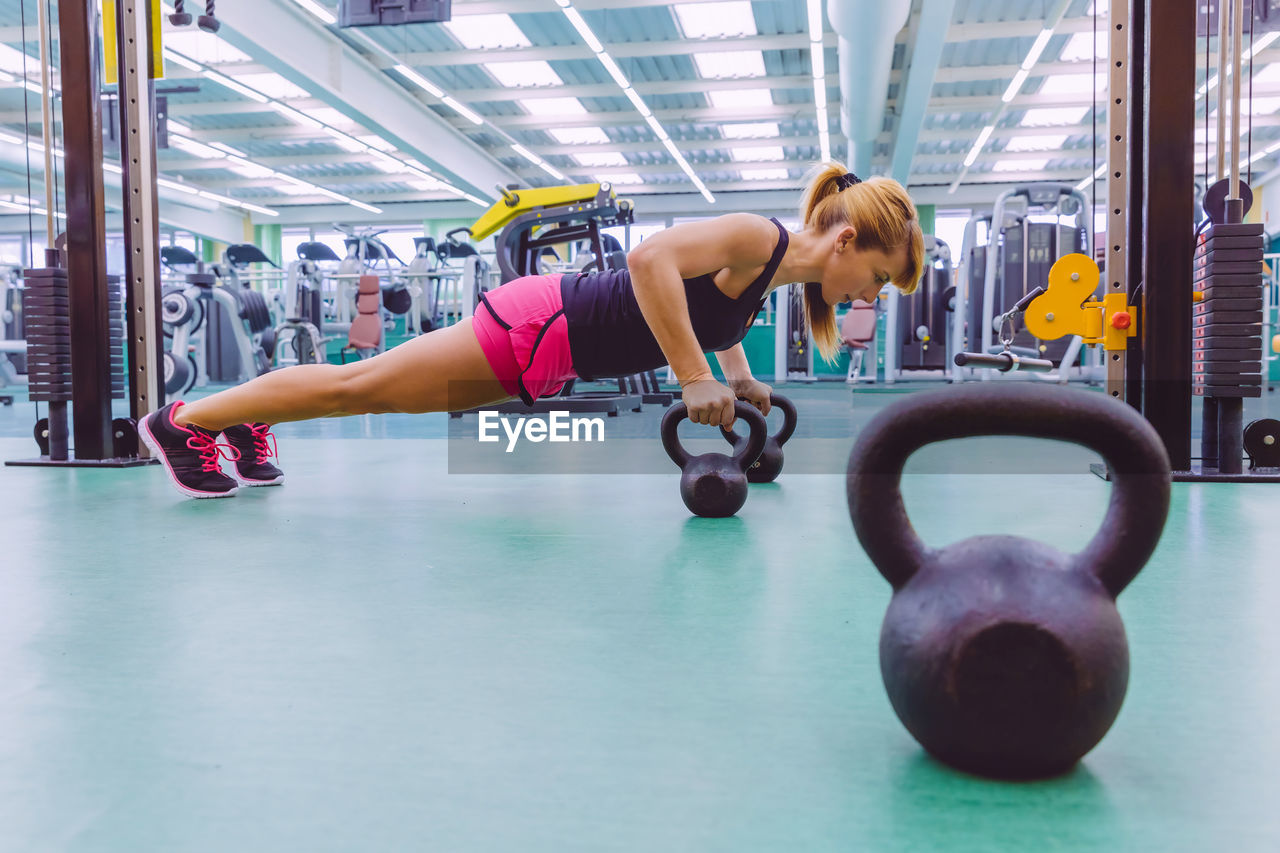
789	419
1133	451
744	453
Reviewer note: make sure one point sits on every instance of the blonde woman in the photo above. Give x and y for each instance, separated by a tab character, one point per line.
692	289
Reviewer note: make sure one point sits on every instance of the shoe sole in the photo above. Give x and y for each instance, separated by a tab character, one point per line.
252	484
144	432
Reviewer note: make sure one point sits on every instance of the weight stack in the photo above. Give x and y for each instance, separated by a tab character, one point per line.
115	314
1226	327
46	306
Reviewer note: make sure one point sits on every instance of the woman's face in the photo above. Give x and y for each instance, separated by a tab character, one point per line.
853	273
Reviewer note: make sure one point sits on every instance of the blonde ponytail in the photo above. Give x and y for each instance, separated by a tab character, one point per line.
882	213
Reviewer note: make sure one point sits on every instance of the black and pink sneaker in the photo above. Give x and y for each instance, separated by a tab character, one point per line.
256	445
189	453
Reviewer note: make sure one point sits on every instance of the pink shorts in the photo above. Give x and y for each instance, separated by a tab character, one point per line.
522	329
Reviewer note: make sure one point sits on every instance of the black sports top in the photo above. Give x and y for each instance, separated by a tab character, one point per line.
609	337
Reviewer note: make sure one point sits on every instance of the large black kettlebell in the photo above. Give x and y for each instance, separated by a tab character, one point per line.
714	485
767	468
1003	656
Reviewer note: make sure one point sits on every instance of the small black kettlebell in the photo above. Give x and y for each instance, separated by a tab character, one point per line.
714	485
1003	656
767	468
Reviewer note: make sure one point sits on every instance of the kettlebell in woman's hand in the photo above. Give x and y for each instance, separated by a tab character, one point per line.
714	485
769	464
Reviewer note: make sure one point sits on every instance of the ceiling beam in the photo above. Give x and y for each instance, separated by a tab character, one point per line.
620	51
611	90
297	46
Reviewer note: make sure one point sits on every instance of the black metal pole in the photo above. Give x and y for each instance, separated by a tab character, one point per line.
1168	230
1137	137
86	231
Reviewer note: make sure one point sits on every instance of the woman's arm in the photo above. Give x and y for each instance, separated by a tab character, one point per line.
659	265
733	362
737	372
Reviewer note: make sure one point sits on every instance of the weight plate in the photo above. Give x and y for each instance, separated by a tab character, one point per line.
1233	229
1217	303
1214	270
1226	242
1213	316
1226	330
1228	256
1200	390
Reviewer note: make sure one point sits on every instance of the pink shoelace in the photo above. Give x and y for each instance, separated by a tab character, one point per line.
210	451
262	449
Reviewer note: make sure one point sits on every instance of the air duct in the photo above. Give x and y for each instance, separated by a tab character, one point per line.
867	30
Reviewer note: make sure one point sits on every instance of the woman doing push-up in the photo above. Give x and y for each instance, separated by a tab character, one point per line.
691	289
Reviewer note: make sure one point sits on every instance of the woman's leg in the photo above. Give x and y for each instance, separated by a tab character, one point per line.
444	370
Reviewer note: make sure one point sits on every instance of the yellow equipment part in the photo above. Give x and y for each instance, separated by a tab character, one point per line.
1062	309
519	202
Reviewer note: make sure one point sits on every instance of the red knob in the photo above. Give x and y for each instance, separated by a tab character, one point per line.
1121	320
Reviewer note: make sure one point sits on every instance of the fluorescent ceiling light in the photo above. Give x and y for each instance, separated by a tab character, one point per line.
750	130
249	170
517	74
757	154
740	98
1020	166
329	116
765	174
236	86
1053	116
815	19
345	142
657	128
978	144
175	185
603	159
1015	86
295	115
487	32
1080	47
1265	106
203	47
730	63
195	148
374	141
1101	8
614	71
639	104
418	80
1045	142
621	178
461	110
319	11
178	59
716	20
1037	48
1073	84
580	24
272	85
579	135
553	106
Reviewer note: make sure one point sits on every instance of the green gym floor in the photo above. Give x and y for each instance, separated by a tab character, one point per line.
384	655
